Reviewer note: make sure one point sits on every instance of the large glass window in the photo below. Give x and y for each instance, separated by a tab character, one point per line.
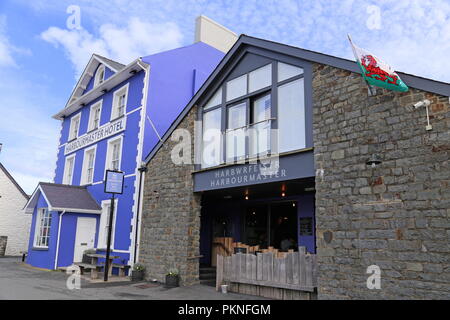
237	87
291	116
236	130
287	71
42	231
250	114
260	78
215	100
212	138
260	128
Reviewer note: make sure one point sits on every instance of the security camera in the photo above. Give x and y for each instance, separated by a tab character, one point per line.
424	103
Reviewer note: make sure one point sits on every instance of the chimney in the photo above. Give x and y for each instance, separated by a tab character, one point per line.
210	32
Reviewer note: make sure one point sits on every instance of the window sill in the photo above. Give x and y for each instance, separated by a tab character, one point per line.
117	118
92	130
71	140
39	249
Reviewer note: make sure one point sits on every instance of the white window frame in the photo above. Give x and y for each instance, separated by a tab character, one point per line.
64	181
115	106
102	233
72	120
109	151
84	175
92	125
97	80
37	243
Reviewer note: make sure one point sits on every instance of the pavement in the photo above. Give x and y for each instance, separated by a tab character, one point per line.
21	281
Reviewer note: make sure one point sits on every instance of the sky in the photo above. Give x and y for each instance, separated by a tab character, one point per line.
44	48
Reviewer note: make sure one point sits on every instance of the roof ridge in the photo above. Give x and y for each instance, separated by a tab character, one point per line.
14	181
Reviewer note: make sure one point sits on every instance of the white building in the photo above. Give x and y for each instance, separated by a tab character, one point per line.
13	222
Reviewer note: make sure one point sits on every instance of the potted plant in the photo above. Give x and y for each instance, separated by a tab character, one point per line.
138	272
172	278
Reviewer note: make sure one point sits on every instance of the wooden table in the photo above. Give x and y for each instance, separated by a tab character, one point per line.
94	260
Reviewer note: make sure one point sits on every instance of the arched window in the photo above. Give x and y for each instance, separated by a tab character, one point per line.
99	76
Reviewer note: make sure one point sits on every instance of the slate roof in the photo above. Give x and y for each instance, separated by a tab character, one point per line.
61	197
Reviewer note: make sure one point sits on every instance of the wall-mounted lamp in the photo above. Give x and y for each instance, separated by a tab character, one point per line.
104	91
283	194
133	71
425	103
374	160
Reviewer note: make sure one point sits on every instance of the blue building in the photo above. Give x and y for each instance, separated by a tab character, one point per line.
114	117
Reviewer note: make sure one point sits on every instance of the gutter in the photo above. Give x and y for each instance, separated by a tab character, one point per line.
57	241
142	170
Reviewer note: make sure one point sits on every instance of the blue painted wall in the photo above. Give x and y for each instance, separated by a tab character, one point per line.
174	78
43	258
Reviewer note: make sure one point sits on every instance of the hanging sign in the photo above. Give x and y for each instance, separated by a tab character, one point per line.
114	182
376	72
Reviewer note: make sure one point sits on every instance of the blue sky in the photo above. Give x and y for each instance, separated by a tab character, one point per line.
41	59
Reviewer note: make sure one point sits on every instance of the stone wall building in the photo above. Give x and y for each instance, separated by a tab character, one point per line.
14	224
394	215
170	231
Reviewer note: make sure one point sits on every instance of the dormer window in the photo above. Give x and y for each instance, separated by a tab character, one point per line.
99	76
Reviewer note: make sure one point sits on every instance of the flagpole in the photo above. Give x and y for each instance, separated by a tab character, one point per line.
372	93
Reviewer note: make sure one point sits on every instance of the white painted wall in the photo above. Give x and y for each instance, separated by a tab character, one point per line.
14	223
214	34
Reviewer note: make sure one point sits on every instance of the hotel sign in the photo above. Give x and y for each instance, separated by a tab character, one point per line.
101	133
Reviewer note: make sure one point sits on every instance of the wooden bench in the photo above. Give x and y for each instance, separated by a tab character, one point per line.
122	268
87	266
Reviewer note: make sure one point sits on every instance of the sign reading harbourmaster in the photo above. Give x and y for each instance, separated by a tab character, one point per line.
103	132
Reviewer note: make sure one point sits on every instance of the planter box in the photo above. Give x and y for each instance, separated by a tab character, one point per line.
172	281
137	275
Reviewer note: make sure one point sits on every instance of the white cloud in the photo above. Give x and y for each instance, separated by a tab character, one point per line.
7	50
124	44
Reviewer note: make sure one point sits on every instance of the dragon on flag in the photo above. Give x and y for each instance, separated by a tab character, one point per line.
376	72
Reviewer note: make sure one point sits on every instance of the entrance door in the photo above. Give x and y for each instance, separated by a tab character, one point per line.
85	237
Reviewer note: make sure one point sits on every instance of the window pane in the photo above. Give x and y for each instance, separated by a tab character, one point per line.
291	116
215	100
261	109
286	71
237	87
237	118
212	138
260	78
259	133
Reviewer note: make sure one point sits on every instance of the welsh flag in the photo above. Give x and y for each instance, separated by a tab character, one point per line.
376	72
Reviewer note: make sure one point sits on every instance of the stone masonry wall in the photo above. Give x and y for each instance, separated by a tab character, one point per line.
395	216
171	215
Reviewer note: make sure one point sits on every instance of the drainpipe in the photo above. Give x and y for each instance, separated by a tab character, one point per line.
138	212
57	240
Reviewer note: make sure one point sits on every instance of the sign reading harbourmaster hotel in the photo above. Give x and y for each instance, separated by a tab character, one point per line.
103	132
